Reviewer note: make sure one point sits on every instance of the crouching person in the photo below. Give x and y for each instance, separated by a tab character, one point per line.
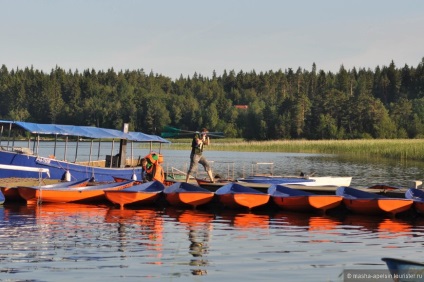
154	170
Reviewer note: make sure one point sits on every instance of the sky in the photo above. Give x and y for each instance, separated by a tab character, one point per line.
184	37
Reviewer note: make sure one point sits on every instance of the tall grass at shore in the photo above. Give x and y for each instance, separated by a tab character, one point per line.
401	149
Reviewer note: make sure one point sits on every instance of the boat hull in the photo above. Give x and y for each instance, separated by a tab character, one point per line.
308	203
193	199
125	198
243	200
419	207
417	195
57	168
234	195
364	202
186	194
140	194
405	270
378	206
11	194
89	194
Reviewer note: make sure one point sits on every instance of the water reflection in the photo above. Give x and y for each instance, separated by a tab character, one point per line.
384	228
55	220
17	215
149	226
418	223
305	221
55	213
246	220
199	226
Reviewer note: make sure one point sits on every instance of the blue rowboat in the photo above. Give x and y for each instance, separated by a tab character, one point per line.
405	270
417	195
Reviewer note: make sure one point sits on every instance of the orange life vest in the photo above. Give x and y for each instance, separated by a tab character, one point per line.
154	169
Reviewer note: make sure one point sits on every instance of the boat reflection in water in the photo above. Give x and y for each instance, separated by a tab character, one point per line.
58	213
384	227
17	215
320	225
246	220
305	221
150	233
108	224
199	225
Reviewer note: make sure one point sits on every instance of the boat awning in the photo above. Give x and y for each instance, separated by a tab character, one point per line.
84	131
136	136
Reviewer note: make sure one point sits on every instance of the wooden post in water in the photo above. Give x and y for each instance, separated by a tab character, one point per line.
123	148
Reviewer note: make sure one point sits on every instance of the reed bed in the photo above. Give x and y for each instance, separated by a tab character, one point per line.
400	149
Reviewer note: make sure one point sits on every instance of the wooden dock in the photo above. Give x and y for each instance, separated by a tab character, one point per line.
15	181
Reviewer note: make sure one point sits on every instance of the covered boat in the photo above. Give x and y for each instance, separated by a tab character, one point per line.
417	195
234	195
298	200
101	169
143	194
186	194
95	193
363	202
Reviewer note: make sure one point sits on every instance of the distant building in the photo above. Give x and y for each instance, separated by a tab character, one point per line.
243	107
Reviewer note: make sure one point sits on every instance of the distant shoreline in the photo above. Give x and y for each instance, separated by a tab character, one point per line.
400	149
395	149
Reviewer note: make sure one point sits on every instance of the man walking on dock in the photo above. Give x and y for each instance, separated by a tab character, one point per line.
199	141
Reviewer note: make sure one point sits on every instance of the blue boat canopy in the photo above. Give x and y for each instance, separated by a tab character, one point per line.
84	131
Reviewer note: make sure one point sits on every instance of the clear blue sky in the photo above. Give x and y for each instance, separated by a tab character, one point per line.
174	37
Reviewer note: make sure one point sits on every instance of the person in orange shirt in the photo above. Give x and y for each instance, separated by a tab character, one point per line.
154	170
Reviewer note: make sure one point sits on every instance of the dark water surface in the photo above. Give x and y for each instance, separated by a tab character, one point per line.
72	242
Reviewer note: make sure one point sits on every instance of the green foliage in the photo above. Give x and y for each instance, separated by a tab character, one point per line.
292	104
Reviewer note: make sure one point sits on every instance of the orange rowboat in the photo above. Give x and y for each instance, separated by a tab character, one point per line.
298	200
32	189
363	202
186	194
144	194
69	194
11	194
234	195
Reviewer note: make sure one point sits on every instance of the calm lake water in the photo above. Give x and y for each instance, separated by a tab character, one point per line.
72	242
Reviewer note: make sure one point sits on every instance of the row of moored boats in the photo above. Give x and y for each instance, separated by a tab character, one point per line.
232	195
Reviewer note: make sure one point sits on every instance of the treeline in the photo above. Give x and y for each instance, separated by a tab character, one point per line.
387	102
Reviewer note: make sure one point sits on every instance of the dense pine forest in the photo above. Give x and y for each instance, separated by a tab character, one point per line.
387	102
